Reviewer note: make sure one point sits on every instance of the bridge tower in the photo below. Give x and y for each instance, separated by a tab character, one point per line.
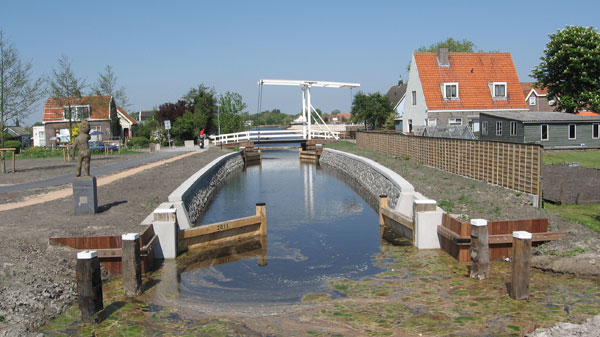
307	108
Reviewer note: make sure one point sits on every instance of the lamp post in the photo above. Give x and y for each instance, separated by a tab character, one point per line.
218	119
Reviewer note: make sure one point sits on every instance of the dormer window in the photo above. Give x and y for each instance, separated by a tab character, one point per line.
450	91
77	112
498	90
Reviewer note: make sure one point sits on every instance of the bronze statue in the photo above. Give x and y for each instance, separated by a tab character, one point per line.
81	144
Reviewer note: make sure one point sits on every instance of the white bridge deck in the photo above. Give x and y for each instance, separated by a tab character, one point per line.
272	136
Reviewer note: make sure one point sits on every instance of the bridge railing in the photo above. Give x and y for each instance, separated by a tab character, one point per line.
256	135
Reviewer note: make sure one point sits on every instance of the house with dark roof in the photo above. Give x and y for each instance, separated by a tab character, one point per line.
96	109
536	99
396	96
553	130
19	133
447	88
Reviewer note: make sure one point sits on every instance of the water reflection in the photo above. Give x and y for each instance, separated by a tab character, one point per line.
319	229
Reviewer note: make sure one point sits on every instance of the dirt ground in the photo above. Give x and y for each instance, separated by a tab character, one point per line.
576	185
37	280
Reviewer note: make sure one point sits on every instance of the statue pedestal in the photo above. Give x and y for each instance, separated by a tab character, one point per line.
85	195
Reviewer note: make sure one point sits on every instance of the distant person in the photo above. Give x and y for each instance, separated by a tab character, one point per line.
201	139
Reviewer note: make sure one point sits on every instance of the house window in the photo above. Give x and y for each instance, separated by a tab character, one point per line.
455	121
498	128
450	90
595	131
410	126
78	112
513	128
532	100
431	121
95	133
572	131
545	132
414	98
484	128
498	90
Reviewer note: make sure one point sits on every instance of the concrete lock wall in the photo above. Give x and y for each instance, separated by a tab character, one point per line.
377	179
188	201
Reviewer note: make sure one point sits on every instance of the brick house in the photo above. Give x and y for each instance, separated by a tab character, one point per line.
96	109
447	88
536	98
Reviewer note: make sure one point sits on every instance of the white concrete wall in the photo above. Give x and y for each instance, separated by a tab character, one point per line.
418	112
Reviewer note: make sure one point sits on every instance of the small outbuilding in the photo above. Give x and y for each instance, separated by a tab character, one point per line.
553	130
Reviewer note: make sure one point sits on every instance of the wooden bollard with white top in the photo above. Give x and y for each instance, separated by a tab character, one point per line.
383	202
521	263
89	286
132	266
480	249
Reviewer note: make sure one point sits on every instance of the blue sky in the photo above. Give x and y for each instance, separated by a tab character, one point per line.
161	49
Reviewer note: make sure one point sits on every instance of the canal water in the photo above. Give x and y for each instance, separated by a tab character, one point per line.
319	230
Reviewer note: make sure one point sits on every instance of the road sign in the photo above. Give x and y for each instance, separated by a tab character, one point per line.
167	125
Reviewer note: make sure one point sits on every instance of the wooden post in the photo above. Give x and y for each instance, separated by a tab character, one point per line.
13	161
261	210
262	257
519	287
480	249
383	202
132	267
89	286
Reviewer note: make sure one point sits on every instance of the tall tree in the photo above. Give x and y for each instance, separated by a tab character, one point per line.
66	89
18	91
231	107
204	102
452	45
570	69
107	85
373	110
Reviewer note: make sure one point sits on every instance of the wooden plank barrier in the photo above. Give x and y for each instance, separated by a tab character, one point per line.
109	249
395	221
455	236
250	153
225	232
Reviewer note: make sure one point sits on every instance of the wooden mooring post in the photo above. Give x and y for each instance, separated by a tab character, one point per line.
480	249
89	286
383	202
261	210
132	266
521	263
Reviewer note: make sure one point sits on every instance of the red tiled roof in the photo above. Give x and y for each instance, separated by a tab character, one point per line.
99	106
129	118
473	72
527	86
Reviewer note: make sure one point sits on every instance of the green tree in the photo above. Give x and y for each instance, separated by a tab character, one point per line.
231	108
107	85
66	89
18	91
570	69
452	45
204	102
372	110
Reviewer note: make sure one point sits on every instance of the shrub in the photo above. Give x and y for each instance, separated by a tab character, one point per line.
13	143
41	152
138	142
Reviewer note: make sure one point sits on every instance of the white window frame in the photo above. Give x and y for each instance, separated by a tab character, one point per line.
498	129
431	121
542	132
95	128
444	87
414	97
597	127
76	114
532	100
513	128
493	90
574	131
455	121
484	127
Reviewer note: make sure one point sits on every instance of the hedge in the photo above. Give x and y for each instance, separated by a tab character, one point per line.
13	143
138	142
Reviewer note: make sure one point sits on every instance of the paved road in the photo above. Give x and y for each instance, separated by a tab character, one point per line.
96	171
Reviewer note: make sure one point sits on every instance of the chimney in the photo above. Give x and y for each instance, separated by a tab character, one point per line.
400	82
443	59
